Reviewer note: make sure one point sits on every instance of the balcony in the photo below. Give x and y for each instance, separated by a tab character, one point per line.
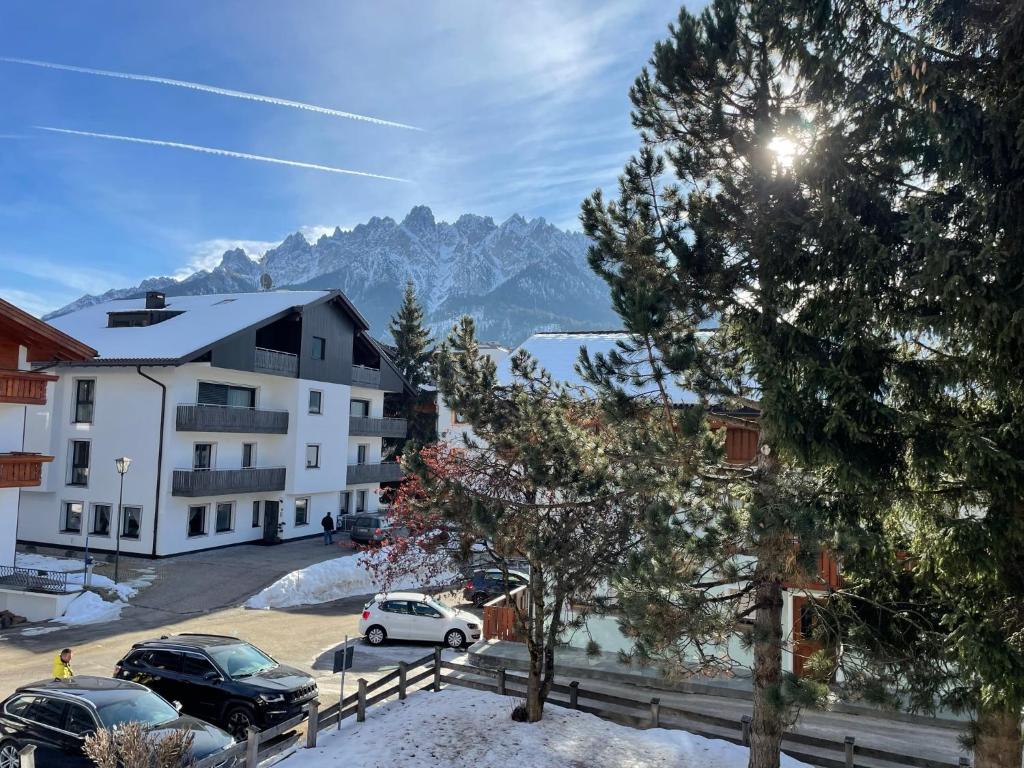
365	377
22	470
368	426
384	472
24	387
221	482
276	363
227	418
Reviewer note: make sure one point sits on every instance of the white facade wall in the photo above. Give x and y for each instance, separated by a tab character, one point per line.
12	421
374	448
127	423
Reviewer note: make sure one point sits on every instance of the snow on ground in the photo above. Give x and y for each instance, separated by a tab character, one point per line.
329	580
90	608
460	728
76	573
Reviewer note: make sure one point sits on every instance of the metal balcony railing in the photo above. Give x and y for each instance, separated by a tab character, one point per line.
278	363
220	482
383	472
365	377
370	426
34	580
226	418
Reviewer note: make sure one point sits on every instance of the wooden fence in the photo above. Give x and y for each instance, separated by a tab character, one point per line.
430	672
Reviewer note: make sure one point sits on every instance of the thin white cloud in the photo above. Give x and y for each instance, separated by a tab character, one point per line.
72	276
208	253
211	89
221	152
33	302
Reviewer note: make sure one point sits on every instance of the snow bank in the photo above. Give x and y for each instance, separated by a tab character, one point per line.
90	608
330	580
460	728
75	570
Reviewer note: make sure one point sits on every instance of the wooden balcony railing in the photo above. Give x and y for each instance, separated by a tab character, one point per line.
22	470
220	482
365	377
226	418
369	426
24	387
278	363
384	472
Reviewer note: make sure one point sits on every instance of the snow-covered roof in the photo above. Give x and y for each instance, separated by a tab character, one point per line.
557	353
204	320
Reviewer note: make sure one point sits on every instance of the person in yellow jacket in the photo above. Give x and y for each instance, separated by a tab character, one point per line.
62	665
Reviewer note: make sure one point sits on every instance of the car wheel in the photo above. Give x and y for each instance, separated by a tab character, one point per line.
9	755
376	635
479	599
238	720
455	639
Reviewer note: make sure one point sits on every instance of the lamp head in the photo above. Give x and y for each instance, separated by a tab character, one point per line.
122	464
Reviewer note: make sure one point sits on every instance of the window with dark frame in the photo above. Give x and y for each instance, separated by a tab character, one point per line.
101	520
359	408
202	456
312	456
209	393
255	514
225	517
78	471
301	511
85	394
131	522
248	455
361	451
71	517
360	501
319	348
197	520
345	505
316	401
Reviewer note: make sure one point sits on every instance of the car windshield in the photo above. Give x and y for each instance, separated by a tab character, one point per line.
241	660
118	707
444	609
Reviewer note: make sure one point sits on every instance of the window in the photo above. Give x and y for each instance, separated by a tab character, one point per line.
131	522
197	520
226	394
395	606
71	519
85	393
361	451
255	514
79	720
197	666
225	517
169	660
46	711
202	456
359	408
360	501
422	609
100	520
806	621
312	456
346	503
316	401
78	473
301	511
248	455
319	348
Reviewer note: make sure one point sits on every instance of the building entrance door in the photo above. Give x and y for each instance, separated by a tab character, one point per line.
271	518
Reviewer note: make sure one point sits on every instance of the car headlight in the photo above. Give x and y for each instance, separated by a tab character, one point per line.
473	626
271	698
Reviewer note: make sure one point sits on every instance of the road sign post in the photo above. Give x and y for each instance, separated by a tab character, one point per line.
342	661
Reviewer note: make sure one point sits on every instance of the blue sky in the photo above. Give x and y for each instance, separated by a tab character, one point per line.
523	108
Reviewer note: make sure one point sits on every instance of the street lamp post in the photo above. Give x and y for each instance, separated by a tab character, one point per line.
122	465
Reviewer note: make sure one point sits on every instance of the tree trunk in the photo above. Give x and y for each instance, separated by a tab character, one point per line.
767	724
998	743
537	648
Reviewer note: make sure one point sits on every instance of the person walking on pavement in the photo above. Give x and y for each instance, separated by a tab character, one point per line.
328	524
62	665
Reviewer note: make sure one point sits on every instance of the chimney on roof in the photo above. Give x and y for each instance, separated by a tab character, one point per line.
155	300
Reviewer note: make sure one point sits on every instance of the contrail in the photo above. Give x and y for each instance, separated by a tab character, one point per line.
211	89
222	152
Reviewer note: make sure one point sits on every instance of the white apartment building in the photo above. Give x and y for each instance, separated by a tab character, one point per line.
450	425
247	418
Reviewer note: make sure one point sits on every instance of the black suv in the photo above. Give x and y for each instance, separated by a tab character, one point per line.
486	585
221	679
55	716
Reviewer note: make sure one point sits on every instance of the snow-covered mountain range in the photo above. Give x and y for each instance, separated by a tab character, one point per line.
514	278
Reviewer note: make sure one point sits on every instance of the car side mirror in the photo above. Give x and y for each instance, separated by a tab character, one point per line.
177	706
212	677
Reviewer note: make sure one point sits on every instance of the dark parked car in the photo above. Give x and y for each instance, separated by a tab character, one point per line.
221	679
370	529
57	715
489	584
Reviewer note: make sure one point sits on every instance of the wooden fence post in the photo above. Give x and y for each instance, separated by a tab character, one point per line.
361	703
655	712
437	669
252	748
745	728
848	744
403	671
574	694
501	682
27	756
313	723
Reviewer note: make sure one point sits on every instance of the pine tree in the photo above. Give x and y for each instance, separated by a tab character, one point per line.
414	349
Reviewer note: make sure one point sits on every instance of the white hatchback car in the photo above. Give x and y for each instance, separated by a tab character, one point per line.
416	616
